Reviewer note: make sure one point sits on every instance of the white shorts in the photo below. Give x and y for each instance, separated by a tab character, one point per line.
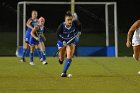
136	37
135	42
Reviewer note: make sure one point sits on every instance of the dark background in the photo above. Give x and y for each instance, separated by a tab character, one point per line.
127	14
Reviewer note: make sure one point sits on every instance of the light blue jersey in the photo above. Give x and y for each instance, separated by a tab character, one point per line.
33	23
38	33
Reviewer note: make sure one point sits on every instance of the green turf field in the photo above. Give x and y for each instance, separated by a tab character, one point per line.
90	75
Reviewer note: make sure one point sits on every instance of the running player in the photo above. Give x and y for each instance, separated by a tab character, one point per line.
36	38
30	24
65	32
135	39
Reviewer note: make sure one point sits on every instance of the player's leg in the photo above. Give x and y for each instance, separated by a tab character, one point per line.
136	54
69	50
61	54
62	51
38	52
32	43
32	48
25	50
26	45
75	50
43	53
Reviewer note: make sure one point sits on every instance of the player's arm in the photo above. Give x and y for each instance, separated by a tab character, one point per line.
131	30
33	33
28	24
78	25
59	31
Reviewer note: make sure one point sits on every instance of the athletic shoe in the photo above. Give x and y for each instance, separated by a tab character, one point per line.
44	63
41	59
22	60
60	62
32	63
63	75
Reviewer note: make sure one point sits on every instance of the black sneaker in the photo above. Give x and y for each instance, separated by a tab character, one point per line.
63	75
60	62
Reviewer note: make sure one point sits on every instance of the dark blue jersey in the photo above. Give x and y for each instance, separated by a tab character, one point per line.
33	23
39	31
64	33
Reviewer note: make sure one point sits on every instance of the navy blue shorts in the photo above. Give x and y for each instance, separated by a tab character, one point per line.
60	43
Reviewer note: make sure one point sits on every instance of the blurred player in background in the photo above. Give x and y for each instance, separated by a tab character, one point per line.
65	32
135	39
36	38
33	21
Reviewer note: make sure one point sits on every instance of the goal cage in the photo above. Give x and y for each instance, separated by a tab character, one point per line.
99	25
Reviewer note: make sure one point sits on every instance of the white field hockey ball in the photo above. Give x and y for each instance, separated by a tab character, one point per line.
69	75
139	72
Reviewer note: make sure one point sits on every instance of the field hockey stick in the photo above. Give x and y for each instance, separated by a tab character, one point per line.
56	53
